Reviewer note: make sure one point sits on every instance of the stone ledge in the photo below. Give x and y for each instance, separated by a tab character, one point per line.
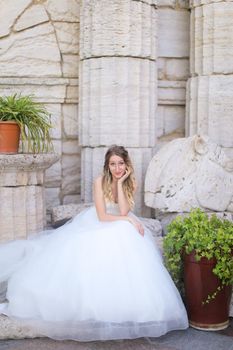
62	213
24	168
12	329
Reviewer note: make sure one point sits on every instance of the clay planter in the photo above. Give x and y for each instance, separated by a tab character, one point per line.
9	137
200	282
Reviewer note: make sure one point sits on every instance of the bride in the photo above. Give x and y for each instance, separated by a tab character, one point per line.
99	276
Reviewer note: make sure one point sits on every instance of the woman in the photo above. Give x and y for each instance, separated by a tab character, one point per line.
98	277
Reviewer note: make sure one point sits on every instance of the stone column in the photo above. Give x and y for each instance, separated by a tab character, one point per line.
118	83
22	205
210	88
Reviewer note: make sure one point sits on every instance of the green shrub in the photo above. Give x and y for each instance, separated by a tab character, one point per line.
33	119
208	236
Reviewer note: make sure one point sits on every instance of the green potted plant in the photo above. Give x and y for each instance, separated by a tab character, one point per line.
26	118
198	254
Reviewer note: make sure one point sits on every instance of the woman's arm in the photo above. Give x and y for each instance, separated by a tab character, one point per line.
101	209
122	200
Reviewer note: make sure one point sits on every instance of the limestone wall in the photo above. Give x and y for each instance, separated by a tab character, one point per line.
118	93
173	67
39	54
209	98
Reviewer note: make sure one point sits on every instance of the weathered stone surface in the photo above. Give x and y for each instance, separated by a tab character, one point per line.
70	65
44	93
57	145
71	198
68	37
117	80
212	38
39	48
52	197
9	12
195	3
37	45
22	213
113	28
53	175
170	119
70	120
189	173
173	33
56	119
71	147
174	3
68	211
46	90
65	11
114	107
28	168
71	174
72	95
12	329
171	92
33	16
22	192
210	108
173	69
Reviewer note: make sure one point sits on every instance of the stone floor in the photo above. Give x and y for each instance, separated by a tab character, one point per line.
190	339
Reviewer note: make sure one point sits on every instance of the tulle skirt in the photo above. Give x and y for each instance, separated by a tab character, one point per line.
90	280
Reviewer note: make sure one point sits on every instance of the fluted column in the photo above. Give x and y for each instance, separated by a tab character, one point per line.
118	83
22	204
210	88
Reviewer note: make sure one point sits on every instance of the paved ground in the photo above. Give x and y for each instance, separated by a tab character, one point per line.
190	339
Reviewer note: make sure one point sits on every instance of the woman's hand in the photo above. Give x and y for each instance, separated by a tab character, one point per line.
139	227
125	176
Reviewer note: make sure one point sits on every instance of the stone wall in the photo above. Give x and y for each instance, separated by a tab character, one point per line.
173	68
118	89
209	97
39	54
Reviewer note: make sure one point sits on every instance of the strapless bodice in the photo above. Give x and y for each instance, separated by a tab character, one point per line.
112	208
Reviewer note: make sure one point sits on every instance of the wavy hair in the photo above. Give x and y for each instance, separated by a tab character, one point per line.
128	185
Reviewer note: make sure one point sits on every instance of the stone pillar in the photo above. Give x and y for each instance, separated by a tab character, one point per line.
22	205
210	88
118	83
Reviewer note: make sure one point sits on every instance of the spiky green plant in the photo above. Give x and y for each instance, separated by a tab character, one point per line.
33	119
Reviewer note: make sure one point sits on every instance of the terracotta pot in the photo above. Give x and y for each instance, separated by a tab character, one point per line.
9	137
200	282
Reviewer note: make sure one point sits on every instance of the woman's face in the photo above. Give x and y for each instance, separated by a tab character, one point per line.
117	167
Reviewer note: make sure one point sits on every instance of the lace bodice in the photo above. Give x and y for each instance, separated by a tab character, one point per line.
112	208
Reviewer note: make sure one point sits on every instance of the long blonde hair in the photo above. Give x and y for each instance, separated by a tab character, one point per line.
129	184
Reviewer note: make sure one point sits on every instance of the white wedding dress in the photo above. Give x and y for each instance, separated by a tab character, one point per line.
90	280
